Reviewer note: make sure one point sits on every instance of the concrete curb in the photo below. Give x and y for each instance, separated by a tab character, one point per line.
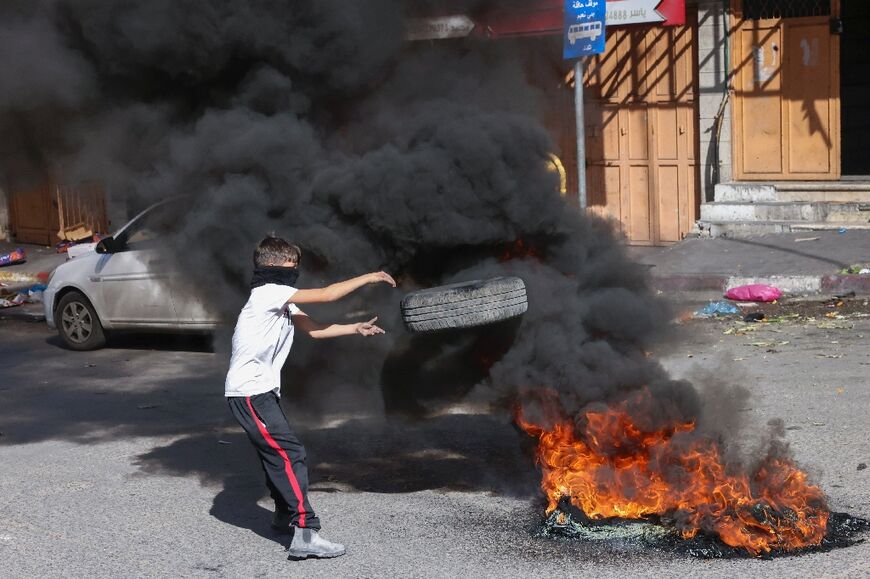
688	282
789	284
843	284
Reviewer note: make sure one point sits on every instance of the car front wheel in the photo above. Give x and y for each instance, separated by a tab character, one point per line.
78	323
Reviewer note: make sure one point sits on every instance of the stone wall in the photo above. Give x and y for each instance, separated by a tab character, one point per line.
713	57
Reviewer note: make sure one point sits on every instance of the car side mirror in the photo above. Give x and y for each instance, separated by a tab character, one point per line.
106	245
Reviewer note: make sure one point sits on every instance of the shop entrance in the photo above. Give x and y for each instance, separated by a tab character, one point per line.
785	71
641	131
855	88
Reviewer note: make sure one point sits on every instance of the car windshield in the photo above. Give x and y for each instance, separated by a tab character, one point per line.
145	231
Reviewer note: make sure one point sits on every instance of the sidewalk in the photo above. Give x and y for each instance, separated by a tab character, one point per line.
40	262
802	263
799	264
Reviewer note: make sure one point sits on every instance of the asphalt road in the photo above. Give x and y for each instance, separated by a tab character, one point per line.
125	463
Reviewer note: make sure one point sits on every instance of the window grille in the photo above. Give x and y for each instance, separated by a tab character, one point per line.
761	9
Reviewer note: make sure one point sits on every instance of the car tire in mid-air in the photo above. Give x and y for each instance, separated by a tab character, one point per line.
78	323
464	305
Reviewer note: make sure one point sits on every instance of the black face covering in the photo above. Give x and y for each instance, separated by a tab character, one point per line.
274	274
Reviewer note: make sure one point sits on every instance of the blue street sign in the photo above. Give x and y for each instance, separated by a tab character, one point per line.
584	28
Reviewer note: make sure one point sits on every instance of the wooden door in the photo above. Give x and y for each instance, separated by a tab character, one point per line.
641	132
48	213
672	97
32	212
786	95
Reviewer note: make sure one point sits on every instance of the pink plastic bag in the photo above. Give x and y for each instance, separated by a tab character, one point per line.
753	293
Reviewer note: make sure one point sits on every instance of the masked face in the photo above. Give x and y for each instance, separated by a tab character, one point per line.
279	275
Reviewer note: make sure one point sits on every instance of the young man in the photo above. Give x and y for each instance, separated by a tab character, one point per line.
261	342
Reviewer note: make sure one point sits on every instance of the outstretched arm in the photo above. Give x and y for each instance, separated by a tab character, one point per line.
338	290
320	331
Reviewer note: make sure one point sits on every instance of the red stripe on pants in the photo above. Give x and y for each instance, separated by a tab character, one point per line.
288	468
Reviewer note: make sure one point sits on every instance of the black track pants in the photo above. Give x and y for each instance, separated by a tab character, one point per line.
281	453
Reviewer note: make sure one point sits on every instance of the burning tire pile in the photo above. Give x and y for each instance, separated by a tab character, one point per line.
602	471
568	522
606	477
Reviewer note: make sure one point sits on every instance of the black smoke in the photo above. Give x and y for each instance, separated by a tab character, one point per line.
317	121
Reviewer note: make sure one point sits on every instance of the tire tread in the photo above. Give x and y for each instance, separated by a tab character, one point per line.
464	305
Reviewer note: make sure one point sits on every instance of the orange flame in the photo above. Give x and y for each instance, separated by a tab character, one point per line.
518	250
612	468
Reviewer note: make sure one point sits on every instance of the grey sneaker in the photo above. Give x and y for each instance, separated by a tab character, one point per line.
308	543
281	522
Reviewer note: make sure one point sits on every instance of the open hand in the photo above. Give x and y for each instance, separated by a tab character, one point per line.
381	276
369	328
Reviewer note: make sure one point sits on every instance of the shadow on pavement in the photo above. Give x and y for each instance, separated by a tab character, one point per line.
455	452
150	341
53	393
175	398
236	505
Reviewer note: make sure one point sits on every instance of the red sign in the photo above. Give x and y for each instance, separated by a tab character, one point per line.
674	12
545	17
661	12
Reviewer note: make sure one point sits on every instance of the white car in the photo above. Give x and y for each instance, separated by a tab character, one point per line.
126	282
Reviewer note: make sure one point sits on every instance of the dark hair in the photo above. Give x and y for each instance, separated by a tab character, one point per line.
273	251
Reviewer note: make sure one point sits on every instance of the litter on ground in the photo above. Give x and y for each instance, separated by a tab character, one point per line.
754	293
717	309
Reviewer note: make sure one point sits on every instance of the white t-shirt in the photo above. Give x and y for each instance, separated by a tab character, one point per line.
261	342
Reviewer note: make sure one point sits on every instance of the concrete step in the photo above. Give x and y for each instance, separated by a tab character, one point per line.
828	226
845	185
742	228
736	228
778	211
806	191
835	192
834	196
744	192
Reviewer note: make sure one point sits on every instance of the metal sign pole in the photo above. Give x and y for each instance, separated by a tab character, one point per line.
584	35
581	132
